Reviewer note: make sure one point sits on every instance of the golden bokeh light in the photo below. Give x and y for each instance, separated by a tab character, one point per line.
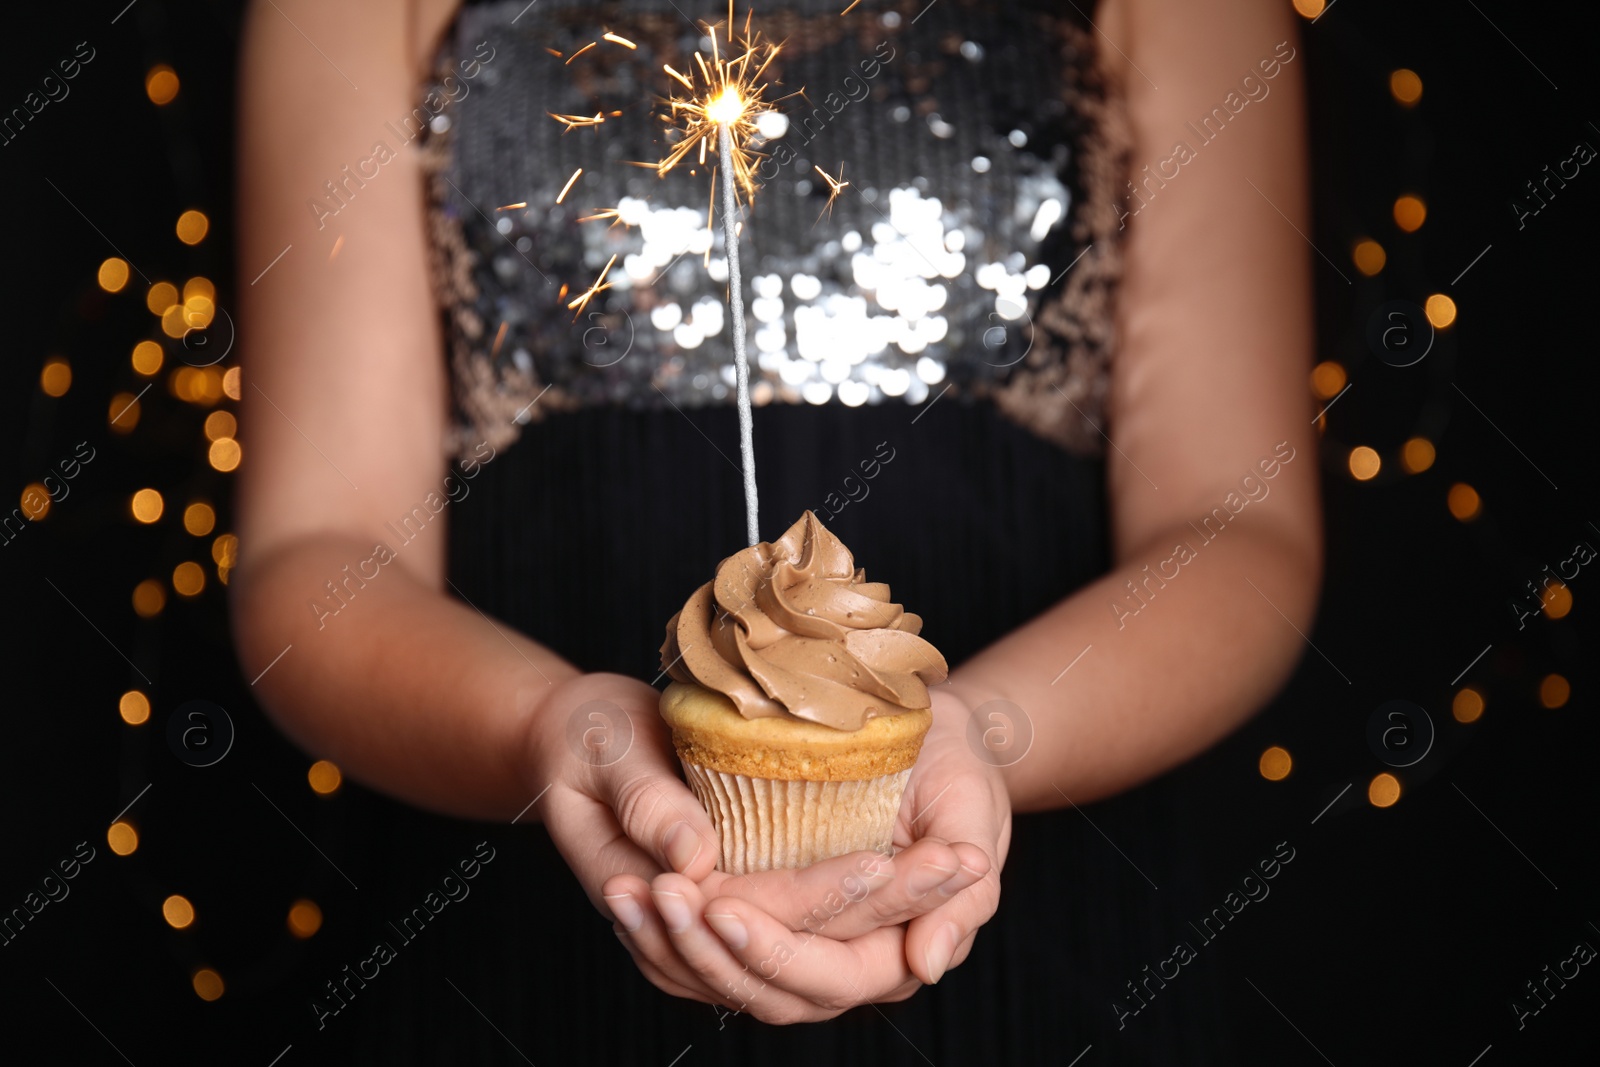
225	454
1309	8
1554	691
1468	705
1364	463
56	377
221	424
1383	790
192	227
149	598
305	918
162	295
1369	256
199	519
1557	600
122	838
207	984
188	579
178	912
1409	213
1441	310
225	550
1327	378
161	84
198	286
1417	455
134	707
230	383
35	501
174	322
147	357
113	274
147	505
1405	86
123	414
1463	501
198	311
324	777
1276	764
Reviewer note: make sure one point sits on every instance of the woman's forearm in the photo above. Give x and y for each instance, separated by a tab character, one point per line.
1118	688
408	690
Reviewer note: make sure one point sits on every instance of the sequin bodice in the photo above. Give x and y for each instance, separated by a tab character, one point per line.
974	249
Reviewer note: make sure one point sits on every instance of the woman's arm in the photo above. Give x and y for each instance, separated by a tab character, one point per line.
1209	381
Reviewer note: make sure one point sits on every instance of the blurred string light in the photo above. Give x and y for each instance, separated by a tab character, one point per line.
1310	8
122	838
123	414
1327	378
1556	600
134	707
161	84
199	518
146	506
221	424
225	454
56	377
230	383
1441	310
1417	455
1409	213
113	275
1364	463
1463	502
1405	86
1468	705
1383	790
188	580
324	777
178	912
1275	764
147	358
1369	256
149	598
160	297
305	918
1554	691
192	226
35	501
207	984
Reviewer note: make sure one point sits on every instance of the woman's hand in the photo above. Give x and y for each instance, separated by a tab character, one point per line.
800	946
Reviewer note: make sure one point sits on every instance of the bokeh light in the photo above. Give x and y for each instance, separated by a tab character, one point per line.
1369	256
113	274
1468	705
198	286
1327	378
175	322
162	295
123	414
161	84
35	501
1364	463
225	550
1557	600
1405	86
1417	455
1441	310
305	918
1409	213
178	912
192	227
122	838
1463	501
134	707
225	454
1383	790
1309	8
1554	691
56	377
1275	764
147	505
199	518
149	598
230	383
324	777
188	579
221	424
147	357
207	984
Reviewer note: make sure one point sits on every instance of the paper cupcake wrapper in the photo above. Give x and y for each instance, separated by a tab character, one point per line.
764	824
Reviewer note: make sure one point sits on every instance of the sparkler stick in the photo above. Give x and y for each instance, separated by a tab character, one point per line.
741	366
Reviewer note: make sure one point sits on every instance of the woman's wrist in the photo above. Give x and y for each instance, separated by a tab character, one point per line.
580	724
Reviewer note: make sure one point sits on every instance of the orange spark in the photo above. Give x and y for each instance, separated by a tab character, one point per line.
513	207
623	41
835	187
499	337
565	188
581	301
580	52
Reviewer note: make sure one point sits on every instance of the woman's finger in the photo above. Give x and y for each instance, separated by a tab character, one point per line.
646	936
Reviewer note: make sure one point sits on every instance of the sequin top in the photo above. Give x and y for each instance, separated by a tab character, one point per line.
974	250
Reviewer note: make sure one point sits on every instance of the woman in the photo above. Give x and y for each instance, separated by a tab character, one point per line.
1088	602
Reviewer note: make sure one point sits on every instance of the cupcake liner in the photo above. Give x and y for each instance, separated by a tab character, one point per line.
765	824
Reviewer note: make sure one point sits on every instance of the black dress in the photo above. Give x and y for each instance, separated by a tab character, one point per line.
929	353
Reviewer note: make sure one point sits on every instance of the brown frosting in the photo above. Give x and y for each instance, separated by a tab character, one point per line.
791	628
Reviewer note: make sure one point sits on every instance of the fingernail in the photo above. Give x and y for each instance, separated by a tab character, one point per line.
683	846
627	911
675	910
940	948
730	929
927	877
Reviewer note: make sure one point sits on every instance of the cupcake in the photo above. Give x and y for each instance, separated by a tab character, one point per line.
799	701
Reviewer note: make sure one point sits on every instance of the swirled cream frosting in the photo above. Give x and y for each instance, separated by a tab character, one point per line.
792	628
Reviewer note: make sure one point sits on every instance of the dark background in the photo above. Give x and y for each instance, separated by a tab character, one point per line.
1398	935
